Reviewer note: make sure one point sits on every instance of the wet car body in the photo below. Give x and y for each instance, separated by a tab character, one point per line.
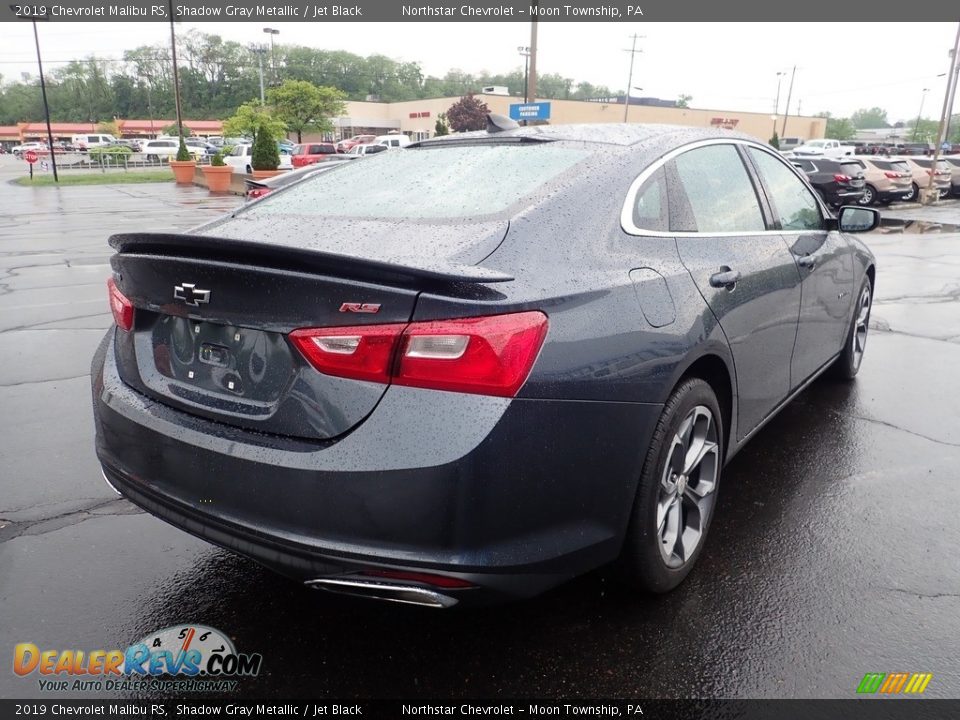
436	496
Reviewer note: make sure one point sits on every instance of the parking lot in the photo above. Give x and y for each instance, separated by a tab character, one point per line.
832	554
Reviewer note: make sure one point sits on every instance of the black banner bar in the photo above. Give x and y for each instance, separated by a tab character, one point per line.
855	709
323	11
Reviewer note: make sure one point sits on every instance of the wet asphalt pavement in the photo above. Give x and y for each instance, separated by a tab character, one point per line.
834	550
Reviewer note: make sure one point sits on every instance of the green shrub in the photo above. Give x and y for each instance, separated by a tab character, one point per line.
183	155
217	160
265	154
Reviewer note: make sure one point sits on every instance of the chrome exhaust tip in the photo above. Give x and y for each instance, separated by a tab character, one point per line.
107	481
407	594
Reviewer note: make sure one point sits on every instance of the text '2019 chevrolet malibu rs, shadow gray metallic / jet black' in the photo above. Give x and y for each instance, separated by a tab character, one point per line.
480	366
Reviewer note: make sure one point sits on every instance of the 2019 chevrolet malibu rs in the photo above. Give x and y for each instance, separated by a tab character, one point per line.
479	366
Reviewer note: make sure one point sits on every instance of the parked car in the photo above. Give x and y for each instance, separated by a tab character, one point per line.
258	188
363	150
310	153
400	395
200	147
918	148
345	145
789	144
837	182
953	161
19	150
87	141
886	180
392	140
164	148
240	158
825	148
921	168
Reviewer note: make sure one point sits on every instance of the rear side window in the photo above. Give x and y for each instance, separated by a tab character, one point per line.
437	182
793	202
853	169
805	165
719	191
650	208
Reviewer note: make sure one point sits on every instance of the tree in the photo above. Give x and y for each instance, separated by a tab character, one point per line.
109	128
174	130
250	118
838	128
468	113
441	127
265	155
870	118
304	106
684	101
775	140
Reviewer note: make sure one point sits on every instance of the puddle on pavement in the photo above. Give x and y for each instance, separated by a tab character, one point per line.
915	227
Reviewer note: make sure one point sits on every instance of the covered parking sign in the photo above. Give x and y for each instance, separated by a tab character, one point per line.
530	111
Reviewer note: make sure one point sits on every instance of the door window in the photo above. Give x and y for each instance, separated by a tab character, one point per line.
794	203
719	192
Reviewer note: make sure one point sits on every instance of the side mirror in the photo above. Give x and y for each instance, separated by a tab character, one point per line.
855	219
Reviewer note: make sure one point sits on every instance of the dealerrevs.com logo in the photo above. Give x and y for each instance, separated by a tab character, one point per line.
196	657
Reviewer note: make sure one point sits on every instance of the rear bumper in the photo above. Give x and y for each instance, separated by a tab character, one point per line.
892	195
514	496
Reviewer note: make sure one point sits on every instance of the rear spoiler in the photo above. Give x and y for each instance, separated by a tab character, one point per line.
280	256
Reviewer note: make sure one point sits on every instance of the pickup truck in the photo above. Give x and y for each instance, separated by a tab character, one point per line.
824	148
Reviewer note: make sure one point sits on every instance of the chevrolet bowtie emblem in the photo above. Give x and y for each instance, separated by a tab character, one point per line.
191	295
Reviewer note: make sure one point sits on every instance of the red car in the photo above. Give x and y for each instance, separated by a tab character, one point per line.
310	153
345	145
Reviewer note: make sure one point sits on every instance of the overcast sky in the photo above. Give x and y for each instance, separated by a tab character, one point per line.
728	66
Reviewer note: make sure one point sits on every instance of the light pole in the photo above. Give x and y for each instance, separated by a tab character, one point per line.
259	52
776	104
774	118
273	58
916	127
633	53
525	51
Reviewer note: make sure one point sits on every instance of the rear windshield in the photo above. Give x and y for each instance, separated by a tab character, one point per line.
443	182
928	163
852	167
897	165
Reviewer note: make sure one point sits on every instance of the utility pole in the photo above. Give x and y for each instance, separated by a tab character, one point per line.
176	73
776	103
525	52
931	194
916	127
46	108
633	53
786	110
532	75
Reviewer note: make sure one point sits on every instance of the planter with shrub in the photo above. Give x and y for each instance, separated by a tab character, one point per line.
217	174
184	166
264	155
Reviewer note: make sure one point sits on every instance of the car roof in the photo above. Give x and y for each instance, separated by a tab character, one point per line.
622	134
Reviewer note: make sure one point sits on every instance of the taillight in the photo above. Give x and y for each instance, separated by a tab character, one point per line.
490	355
120	306
254	193
892	175
842	178
361	353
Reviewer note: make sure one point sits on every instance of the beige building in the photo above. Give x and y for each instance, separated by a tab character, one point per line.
417	118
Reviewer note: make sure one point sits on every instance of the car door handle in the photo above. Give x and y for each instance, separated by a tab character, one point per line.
726	278
807	261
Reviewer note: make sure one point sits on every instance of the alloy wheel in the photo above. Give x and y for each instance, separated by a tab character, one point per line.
686	492
859	339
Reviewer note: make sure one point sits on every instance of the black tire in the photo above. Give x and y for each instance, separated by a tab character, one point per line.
249	170
914	191
643	562
869	196
944	193
847	365
153	158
